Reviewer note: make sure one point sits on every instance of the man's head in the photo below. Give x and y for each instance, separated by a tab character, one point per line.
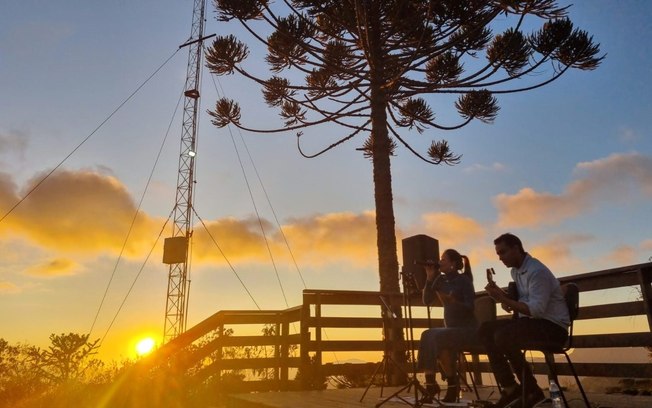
509	249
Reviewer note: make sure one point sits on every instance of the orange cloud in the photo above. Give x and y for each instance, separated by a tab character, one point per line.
336	236
623	255
615	175
647	245
78	212
231	238
87	213
608	179
452	229
53	268
628	254
557	254
8	287
527	208
319	239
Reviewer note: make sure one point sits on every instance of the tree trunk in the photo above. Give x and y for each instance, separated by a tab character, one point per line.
385	222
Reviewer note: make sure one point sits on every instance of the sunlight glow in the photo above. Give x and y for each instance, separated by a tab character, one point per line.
145	346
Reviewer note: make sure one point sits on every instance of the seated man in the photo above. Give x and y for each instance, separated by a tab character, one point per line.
541	315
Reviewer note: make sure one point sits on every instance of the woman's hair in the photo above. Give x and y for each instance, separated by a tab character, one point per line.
460	262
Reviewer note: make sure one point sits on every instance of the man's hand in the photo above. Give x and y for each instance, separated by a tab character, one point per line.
498	295
495	292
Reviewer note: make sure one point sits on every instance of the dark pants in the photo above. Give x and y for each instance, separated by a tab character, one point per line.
505	339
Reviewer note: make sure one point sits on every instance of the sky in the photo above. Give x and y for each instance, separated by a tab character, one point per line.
567	167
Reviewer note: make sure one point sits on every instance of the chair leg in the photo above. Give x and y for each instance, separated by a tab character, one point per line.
552	374
577	380
523	385
461	374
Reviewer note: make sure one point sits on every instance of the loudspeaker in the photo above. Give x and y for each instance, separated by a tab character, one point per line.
418	248
175	250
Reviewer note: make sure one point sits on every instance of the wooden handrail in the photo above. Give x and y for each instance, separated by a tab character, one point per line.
195	351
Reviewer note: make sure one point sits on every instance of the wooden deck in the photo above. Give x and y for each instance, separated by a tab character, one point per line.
351	398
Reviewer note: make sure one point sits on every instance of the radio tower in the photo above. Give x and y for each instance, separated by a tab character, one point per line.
175	252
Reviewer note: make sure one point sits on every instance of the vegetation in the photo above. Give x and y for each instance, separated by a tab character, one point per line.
68	373
29	374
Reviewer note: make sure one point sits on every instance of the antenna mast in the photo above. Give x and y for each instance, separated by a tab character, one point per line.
175	252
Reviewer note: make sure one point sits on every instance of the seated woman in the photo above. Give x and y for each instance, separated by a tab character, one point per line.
438	345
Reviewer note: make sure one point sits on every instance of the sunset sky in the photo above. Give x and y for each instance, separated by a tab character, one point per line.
567	167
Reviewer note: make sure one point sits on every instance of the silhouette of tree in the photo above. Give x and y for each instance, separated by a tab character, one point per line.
19	373
368	66
68	357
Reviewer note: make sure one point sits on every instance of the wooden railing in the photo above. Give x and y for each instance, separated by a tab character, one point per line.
295	340
216	348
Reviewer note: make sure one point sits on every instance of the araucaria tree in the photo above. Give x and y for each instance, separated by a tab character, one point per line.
373	66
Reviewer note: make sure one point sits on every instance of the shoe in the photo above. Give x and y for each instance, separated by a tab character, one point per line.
508	397
431	394
452	392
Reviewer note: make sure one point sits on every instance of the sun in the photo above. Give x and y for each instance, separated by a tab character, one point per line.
145	346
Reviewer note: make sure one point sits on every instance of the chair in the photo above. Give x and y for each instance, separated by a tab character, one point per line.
572	297
484	310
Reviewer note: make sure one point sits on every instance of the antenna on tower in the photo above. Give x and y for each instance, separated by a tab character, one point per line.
175	250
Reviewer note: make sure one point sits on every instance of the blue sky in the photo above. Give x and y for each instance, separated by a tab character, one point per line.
567	167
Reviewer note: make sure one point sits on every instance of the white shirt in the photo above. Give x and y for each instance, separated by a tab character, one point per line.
540	291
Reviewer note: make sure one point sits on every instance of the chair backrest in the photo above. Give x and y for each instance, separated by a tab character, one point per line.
572	297
484	309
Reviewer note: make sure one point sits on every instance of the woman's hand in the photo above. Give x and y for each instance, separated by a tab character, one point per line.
432	270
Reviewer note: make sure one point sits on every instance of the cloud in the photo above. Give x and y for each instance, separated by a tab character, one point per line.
13	142
647	245
76	212
7	193
628	135
8	287
231	238
631	254
494	167
452	229
84	213
616	174
343	235
557	253
54	268
319	239
623	255
527	208
609	179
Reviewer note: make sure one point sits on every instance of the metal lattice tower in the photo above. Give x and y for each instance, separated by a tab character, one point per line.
176	248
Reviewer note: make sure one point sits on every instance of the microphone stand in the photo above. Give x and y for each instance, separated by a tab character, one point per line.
387	315
409	282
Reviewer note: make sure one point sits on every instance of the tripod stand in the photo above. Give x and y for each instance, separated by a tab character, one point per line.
409	287
387	361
